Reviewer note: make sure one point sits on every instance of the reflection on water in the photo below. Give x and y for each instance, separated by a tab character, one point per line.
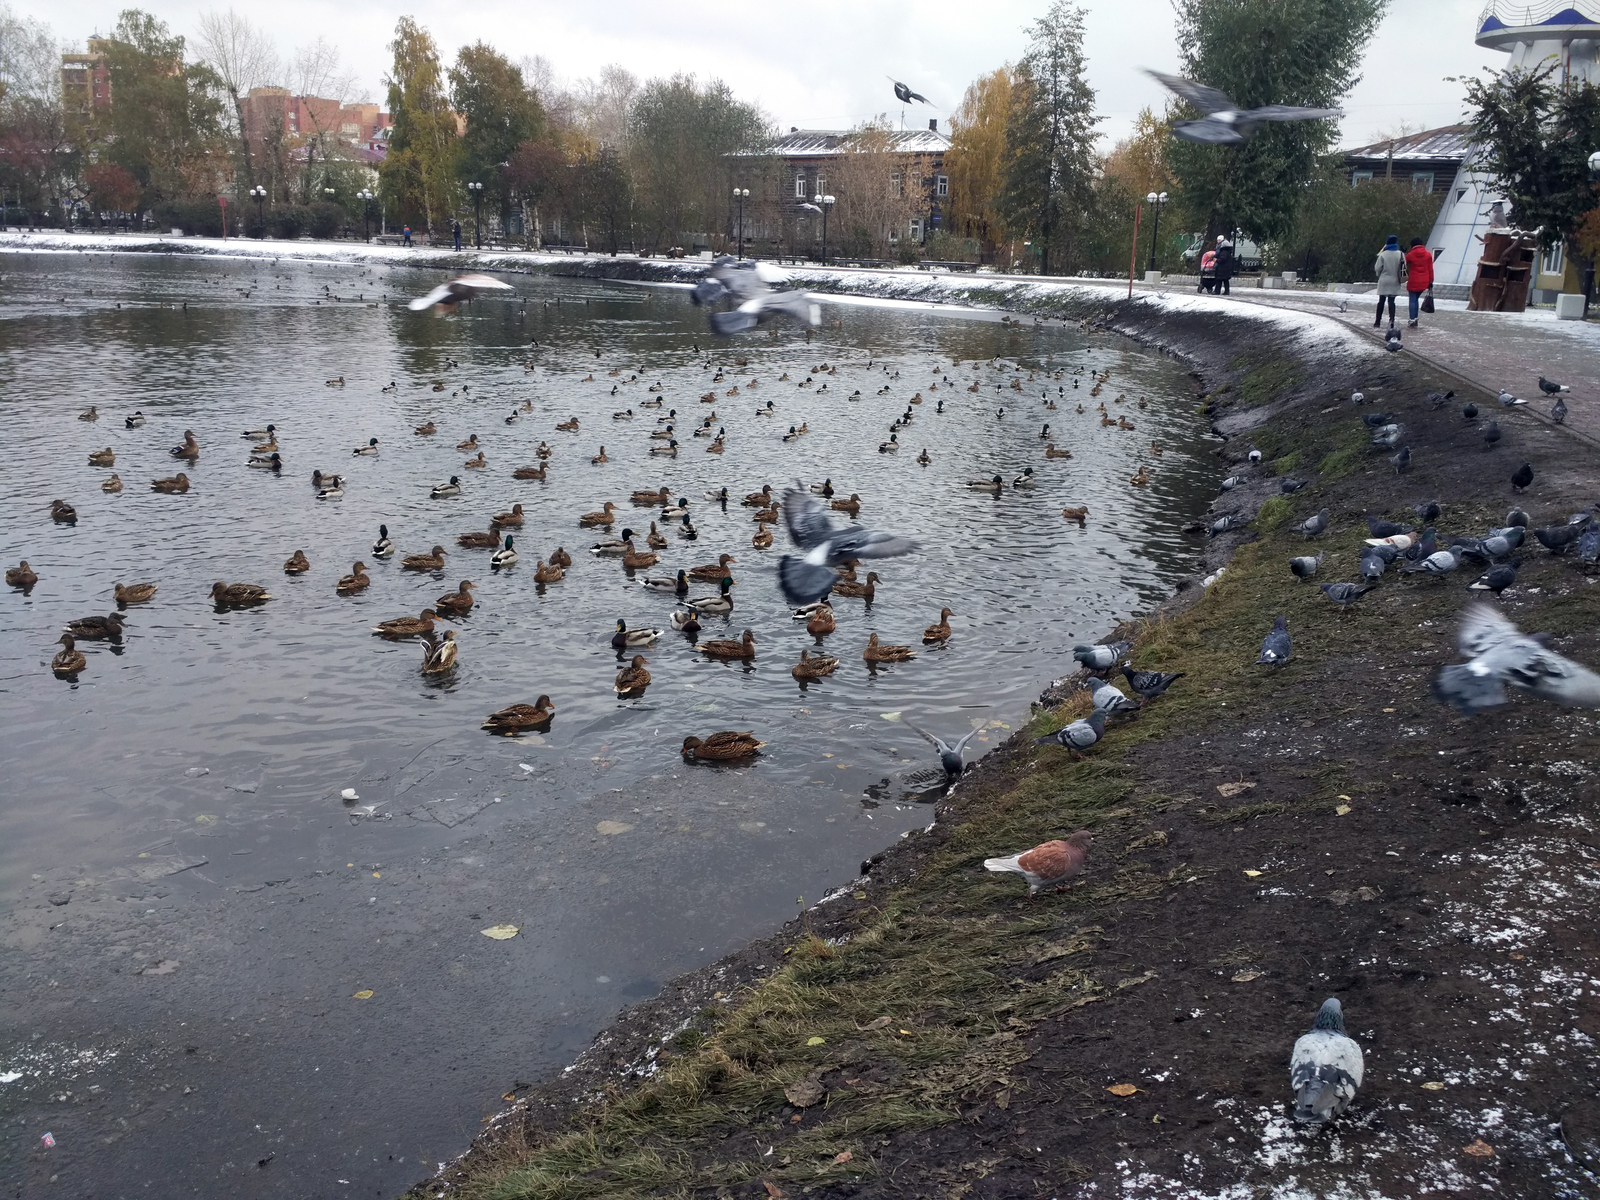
251	721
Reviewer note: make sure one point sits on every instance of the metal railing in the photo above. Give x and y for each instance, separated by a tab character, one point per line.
1521	15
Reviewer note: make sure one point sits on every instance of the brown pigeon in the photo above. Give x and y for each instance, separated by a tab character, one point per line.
1048	865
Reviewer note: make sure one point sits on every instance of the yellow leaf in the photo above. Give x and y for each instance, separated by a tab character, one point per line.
1123	1089
1229	790
1388	710
1252	874
499	932
861	895
611	828
205	819
907	1032
1247	976
1342	810
363	994
1343	797
1479	1149
376	875
816	1041
1433	1087
843	1156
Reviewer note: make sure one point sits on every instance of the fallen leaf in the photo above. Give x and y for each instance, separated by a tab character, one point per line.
1252	874
860	895
843	1156
363	994
205	819
1343	797
803	1093
1342	810
816	1041
774	1192
1002	1099
1247	976
890	716
1433	1087
612	827
1479	1149
499	932
907	1032
880	1023
1230	790
1123	1089
1388	710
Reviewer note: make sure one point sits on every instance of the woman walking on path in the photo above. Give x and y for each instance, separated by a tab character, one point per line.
1419	275
1387	267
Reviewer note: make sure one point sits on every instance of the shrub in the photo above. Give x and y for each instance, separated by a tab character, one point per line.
326	220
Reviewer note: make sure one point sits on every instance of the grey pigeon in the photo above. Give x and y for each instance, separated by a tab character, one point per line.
1109	699
1514	535
1501	654
1440	399
1344	594
1325	1067
1388	436
1440	562
1423	546
1374	420
904	94
1518	516
1225	124
1306	566
1078	736
1589	543
1391	342
1557	538
1221	525
1402	460
1469	410
1497	578
750	284
949	756
1558	411
1101	658
1507	400
1491	435
1312	526
810	576
1380	528
1387	551
1427	511
1372	565
1150	684
1288	485
1550	387
1277	649
1231	482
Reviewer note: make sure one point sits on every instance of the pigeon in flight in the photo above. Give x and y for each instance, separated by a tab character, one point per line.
949	755
1325	1067
904	94
1225	124
1550	387
1047	865
1150	684
1079	735
750	283
1277	649
1499	654
452	292
809	576
1101	657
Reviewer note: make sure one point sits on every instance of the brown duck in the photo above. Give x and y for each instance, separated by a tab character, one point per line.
357	581
632	560
876	653
864	591
22	576
508	520
478	540
633	677
69	660
112	485
851	506
457	603
605	516
713	572
135	593
103	458
721	747
177	483
726	648
404	627
529	472
427	429
470	444
519	718
813	668
821	622
297	564
548	573
239	593
425	562
941	632
560	558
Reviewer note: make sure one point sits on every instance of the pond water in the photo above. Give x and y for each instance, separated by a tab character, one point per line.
228	735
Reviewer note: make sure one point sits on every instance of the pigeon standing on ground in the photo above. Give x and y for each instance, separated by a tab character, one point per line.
1150	684
1288	485
1558	411
1500	654
1440	562
1225	124
1079	735
1440	399
1277	649
949	756
1101	657
1344	594
1391	341
1108	698
1549	387
750	283
1372	564
1469	410
1427	511
1519	517
1497	578
809	576
1380	527
1491	435
1556	538
1522	478
1374	420
1306	566
1401	461
1507	400
1325	1067
452	292
1589	543
1312	526
1048	865
1387	436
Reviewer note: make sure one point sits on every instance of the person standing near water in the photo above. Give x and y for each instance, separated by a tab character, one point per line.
405	235
1387	267
456	229
1419	275
1224	265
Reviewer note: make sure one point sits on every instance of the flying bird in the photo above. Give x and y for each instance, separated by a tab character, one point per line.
1325	1067
750	283
1225	124
904	94
949	756
1499	654
464	287
809	576
1048	865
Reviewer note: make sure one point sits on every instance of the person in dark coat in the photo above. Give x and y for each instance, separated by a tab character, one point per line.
456	229
1419	275
1225	265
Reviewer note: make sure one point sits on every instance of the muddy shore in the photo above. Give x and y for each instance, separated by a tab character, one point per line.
1262	841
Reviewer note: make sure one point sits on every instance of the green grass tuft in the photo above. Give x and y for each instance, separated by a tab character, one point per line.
1274	512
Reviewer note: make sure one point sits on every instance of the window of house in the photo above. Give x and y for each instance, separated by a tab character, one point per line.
941	185
1553	261
800	187
895	185
1422	181
822	186
1360	177
916	229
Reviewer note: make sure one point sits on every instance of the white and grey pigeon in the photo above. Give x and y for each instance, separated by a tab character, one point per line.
1305	566
1225	123
1109	698
1079	735
1440	562
1325	1067
1277	648
1101	657
810	575
750	283
1507	400
1501	654
949	756
1314	525
454	291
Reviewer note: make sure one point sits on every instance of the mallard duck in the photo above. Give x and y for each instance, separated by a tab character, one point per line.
470	444
547	573
1125	424
426	429
864	591
406	627
1025	480
687	531
69	660
438	654
173	484
633	678
716	571
512	519
504	557
648	499
433	561
768	515
1080	515
654	539
666	583
823	489
685	620
632	560
113	485
135	593
103	458
519	718
561	558
720	604
479	540
134	421
457	603
924	457
89	414
995	485
600	458
820	623
569	426
656	403
877	653
333	488
529	473
1050	451
239	593
793	435
266	462
513	417
542	450
441	490
717	447
625	415
726	648
369	449
296	564
339	382
851	506
720	496
673	512
605	516
670	450
383	547
1142	478
21	576
624	637
761	499
941	631
660	435
763	538
768	411
613	545
892	446
190	449
813	668
720	747
1155	448
1107	422
356	581
476	463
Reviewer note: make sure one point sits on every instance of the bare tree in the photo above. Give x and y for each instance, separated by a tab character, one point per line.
243	58
319	74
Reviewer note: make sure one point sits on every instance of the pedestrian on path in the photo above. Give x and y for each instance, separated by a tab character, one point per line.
1419	275
456	229
1208	272
1387	267
405	235
1224	264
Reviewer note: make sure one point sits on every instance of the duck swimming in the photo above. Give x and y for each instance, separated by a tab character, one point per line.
383	547
721	603
441	490
504	557
633	678
136	593
433	561
519	718
743	650
457	603
297	563
356	581
439	654
69	660
665	583
624	637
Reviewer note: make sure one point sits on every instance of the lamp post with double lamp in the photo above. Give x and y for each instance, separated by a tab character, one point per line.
826	204
476	189
741	195
260	195
366	198
1155	200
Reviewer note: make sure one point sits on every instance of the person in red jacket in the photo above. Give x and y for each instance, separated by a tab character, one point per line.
1419	275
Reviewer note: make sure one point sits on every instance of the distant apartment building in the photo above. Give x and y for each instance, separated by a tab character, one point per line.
86	81
269	110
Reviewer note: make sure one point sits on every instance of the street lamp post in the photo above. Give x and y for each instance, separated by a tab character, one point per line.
1155	200
826	204
741	195
476	189
365	197
260	195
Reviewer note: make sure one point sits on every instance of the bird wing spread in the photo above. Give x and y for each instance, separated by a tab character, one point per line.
1214	133
1288	112
937	742
806	518
442	292
1206	99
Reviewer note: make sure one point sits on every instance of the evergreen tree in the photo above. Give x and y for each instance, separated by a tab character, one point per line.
417	177
502	114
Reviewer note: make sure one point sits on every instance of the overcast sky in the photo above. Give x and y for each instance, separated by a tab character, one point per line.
823	64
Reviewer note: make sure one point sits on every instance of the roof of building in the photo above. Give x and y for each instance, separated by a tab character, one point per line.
819	143
1450	143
